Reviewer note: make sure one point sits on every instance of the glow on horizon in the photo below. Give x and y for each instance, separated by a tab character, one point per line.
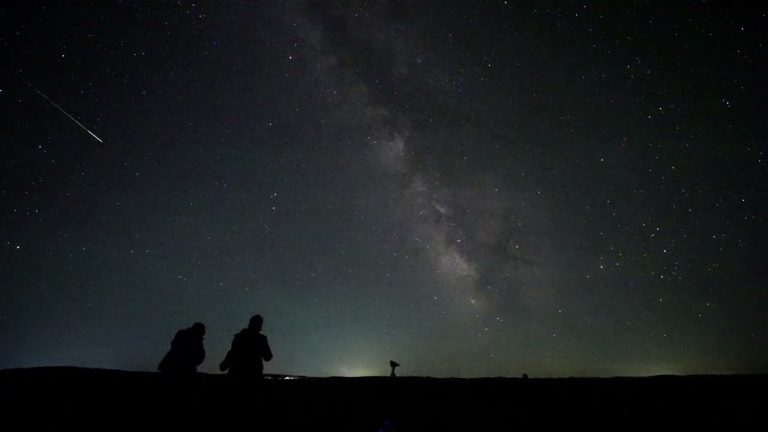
356	370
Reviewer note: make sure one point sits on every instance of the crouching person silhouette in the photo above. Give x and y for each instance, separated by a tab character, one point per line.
248	352
186	351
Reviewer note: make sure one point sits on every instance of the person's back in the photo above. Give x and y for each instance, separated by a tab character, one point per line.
249	350
186	351
192	348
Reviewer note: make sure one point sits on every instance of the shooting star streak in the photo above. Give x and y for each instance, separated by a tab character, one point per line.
62	110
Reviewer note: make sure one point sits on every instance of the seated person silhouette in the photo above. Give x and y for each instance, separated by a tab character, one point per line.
249	349
186	351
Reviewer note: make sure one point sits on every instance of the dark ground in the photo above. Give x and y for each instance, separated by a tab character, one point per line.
56	398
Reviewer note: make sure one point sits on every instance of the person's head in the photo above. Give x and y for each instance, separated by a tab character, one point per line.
256	322
198	328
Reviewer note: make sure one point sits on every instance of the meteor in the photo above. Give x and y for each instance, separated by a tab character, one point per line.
62	110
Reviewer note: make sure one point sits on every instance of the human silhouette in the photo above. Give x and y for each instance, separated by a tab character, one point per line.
393	365
186	351
248	351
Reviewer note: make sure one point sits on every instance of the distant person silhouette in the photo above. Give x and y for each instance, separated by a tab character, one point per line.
186	351
248	352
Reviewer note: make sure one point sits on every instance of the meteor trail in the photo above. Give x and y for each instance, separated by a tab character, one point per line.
62	110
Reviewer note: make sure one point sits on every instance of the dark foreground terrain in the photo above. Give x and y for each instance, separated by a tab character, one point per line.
66	398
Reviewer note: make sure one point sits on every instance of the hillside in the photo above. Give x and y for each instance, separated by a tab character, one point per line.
88	398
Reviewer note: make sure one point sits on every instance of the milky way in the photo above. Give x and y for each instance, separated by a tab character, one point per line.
467	189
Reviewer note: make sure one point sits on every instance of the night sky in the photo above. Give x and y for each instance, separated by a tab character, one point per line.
476	189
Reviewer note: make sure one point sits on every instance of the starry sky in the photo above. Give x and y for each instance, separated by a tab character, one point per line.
470	188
